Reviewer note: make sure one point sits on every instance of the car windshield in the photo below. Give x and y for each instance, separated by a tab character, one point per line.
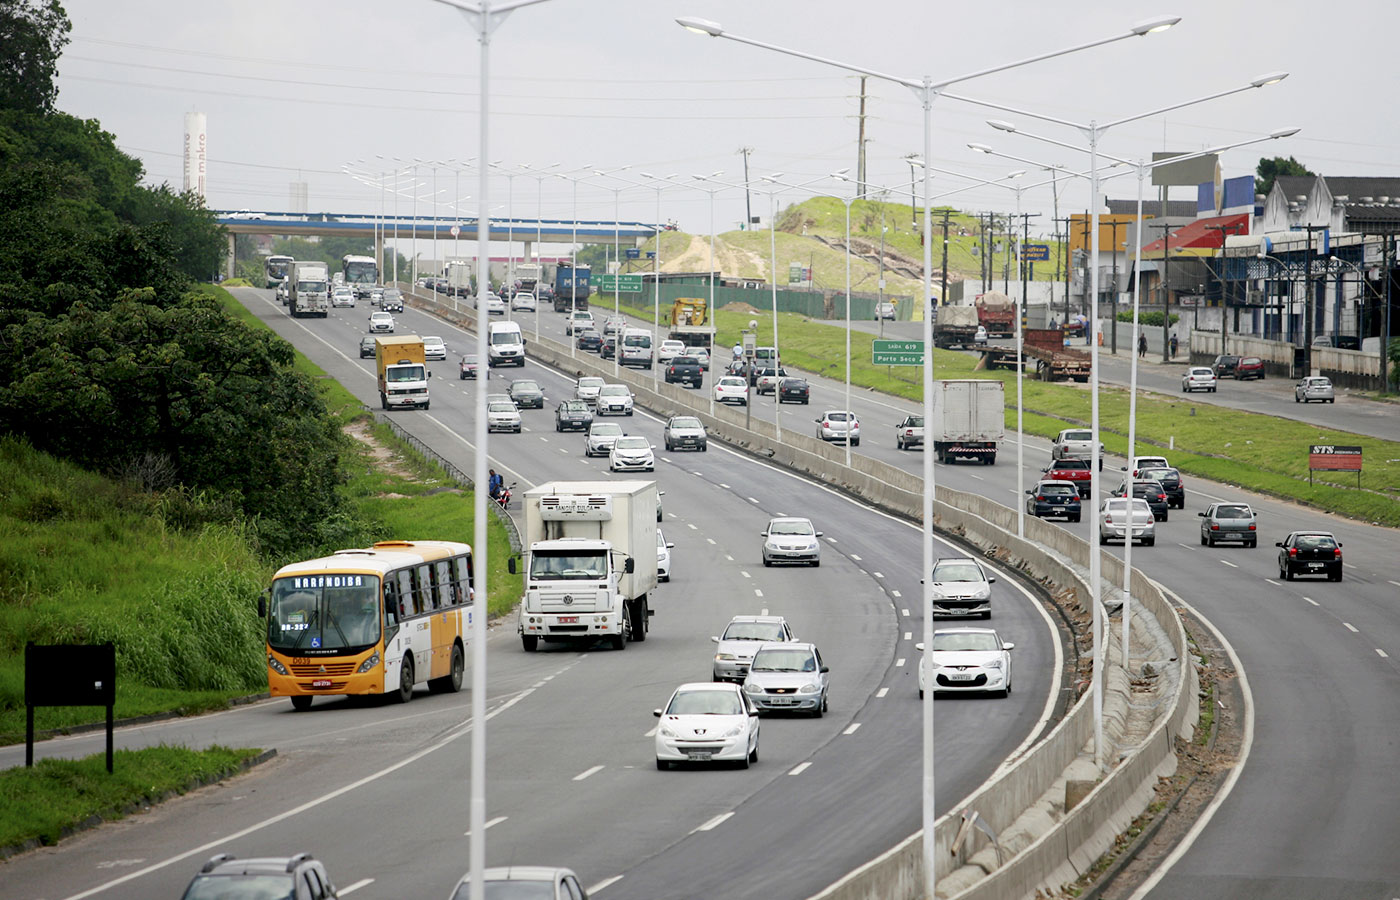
241	887
960	641
800	526
784	659
606	429
1233	512
469	360
957	571
615	390
505	337
432	342
705	703
568	565
524	387
590	382
1315	542
1161	474
632	443
636	340
685	422
502	406
400	374
574	406
753	631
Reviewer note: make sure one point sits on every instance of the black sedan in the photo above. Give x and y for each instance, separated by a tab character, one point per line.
1310	553
1171	482
1054	498
572	415
467	367
1152	492
684	370
588	339
527	394
367	346
794	390
608	349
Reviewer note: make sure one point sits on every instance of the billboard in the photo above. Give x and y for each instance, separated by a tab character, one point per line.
196	152
1184	174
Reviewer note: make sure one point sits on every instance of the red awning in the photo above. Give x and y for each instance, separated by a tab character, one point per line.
1199	238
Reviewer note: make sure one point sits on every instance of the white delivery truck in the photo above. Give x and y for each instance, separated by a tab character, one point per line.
969	419
309	289
590	562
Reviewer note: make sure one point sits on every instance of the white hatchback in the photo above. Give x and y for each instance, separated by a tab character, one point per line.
732	389
707	721
434	348
1198	378
632	454
615	400
669	350
380	321
523	302
966	659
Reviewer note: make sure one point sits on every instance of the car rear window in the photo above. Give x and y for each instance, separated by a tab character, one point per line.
1315	542
1059	489
1233	512
1072	464
1078	436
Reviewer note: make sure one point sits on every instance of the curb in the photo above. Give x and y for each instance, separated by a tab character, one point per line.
88	727
93	821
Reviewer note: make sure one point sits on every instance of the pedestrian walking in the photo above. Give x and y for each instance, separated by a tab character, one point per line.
1142	346
1173	345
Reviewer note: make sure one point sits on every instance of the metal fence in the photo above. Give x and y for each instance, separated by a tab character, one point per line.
450	470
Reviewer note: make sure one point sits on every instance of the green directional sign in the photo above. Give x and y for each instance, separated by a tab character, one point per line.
897	353
624	284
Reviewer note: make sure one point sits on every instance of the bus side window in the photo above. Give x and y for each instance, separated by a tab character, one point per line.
405	580
423	589
391	604
462	578
443	593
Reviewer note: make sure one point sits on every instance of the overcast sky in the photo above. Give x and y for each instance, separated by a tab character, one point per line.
293	91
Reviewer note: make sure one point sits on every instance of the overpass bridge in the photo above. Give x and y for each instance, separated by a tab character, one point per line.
378	228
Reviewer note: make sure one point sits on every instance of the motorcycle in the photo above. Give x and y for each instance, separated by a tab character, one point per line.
503	495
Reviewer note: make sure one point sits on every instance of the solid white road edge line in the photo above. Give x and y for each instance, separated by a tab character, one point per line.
604	883
363	882
715	822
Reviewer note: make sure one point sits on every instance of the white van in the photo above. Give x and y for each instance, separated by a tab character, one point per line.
505	345
635	348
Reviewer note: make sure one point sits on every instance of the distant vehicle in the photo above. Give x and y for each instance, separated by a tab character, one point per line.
885	310
1054	498
1114	521
700	355
1171	481
403	372
1310	553
689	323
663	557
740	641
571	287
634	348
495	306
342	296
969	418
794	390
526	394
505	345
614	324
227	877
1323	340
707	722
572	415
587	387
367	346
765	380
1075	442
669	350
684	370
246	214
587	339
577	320
966	659
1229	522
608	348
632	454
434	348
1076	471
359	271
685	433
309	289
468	367
789	676
1314	387
391	300
615	399
732	389
909	432
839	425
791	539
276	269
523	302
524	883
1224	365
1138	463
1198	378
380	321
1249	367
979	338
502	415
961	587
1149	491
601	436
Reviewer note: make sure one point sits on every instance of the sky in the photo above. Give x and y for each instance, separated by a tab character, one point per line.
301	91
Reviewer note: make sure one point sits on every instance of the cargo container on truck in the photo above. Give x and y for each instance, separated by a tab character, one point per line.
572	285
955	326
969	420
590	563
403	372
309	289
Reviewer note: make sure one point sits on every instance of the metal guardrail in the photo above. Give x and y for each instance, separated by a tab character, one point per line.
450	470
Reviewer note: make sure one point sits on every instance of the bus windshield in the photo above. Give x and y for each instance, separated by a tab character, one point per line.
323	612
360	270
564	565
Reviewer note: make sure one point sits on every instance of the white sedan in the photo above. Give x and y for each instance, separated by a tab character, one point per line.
342	296
707	721
434	348
495	306
632	454
1198	378
669	350
614	399
663	556
381	322
523	302
501	415
966	659
732	389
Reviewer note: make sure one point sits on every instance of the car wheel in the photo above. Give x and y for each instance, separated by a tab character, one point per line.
1074	518
1285	573
1204	542
1149	542
753	754
663	765
704	447
301	703
1253	543
1339	576
921	693
767	563
1103	541
405	691
816	563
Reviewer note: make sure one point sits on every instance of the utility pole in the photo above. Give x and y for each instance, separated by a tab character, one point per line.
1308	294
913	211
1223	229
860	143
1166	288
748	205
1114	324
880	284
943	298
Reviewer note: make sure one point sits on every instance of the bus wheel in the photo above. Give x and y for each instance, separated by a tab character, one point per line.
450	683
301	703
405	691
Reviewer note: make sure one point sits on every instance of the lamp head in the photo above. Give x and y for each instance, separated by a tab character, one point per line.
1016	174
1001	125
1266	80
980	148
700	26
1151	26
1284	132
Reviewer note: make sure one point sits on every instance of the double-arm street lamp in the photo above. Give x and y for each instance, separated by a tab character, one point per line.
926	88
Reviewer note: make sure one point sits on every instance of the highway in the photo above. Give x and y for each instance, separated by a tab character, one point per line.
380	792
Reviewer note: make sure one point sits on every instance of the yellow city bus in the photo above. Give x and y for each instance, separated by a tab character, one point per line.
372	621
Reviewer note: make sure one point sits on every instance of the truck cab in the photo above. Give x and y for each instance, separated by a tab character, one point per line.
403	372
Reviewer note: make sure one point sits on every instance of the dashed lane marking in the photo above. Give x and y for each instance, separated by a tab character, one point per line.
1382	653
489	822
799	768
899	663
363	882
715	822
604	883
882	692
1230	564
852	729
1312	601
586	772
1350	627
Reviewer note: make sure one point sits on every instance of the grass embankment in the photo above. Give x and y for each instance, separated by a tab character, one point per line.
1267	454
58	795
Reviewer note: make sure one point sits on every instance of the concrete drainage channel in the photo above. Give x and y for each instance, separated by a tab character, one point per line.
1054	811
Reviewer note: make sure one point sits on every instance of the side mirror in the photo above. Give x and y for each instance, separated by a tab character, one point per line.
763	534
1339	543
991	579
510	565
753	713
656	712
1008	646
1030	490
919	646
1278	543
262	605
819	534
714	638
826	668
630	566
1201	515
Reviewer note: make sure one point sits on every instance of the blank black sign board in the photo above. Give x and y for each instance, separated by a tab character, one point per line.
68	675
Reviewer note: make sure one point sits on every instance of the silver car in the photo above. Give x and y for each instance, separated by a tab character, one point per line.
501	415
1229	522
685	433
1113	521
791	539
601	436
839	425
740	641
1314	387
788	676
615	399
1075	443
961	587
524	881
587	389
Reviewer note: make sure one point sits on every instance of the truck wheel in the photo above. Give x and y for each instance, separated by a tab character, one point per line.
383	401
990	459
618	642
530	642
638	610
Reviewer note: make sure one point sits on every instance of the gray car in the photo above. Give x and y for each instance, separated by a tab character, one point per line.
740	641
791	539
543	882
788	677
1229	522
527	394
685	433
572	415
1314	387
367	346
601	436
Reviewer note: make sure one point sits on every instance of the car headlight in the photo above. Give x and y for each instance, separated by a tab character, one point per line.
724	657
810	688
770	544
733	732
752	689
666	732
994	664
983	593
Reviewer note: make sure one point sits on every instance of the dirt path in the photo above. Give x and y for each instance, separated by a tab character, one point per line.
732	261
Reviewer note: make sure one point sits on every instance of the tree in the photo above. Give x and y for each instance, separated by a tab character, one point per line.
1271	168
198	242
32	33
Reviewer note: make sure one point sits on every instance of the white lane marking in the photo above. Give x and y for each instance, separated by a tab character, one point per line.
852	729
908	635
715	822
745	574
690	526
753	499
904	612
899	663
1350	627
1230	564
831	540
1271	581
862	571
896	594
489	822
882	692
757	592
665	459
546	440
854	557
879	574
604	883
728	557
1186	546
563	450
586	772
363	882
1382	653
723	485
800	768
764	611
711	540
1312	601
1396	583
978	477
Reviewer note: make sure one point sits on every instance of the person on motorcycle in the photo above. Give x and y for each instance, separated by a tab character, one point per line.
494	485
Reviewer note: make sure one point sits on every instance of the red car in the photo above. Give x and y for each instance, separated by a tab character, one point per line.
1249	367
1076	471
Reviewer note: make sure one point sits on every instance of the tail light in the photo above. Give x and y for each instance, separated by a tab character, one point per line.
1336	552
1040	498
1161	496
826	424
1292	552
1215	527
1251	527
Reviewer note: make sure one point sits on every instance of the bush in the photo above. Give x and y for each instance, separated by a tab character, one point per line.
1151	319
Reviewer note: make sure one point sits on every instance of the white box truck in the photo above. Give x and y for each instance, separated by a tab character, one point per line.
590	562
309	289
969	419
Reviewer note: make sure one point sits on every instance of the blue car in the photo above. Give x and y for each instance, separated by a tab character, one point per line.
1054	498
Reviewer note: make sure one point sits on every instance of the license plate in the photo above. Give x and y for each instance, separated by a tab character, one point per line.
699	755
321	683
568	620
1313	565
961	676
1059	509
780	701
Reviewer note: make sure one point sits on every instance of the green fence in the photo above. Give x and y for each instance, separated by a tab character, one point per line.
813	304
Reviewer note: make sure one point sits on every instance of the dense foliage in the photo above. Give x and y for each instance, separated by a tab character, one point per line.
32	35
1271	168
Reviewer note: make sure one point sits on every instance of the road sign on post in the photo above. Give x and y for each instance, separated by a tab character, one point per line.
1035	252
897	353
625	284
